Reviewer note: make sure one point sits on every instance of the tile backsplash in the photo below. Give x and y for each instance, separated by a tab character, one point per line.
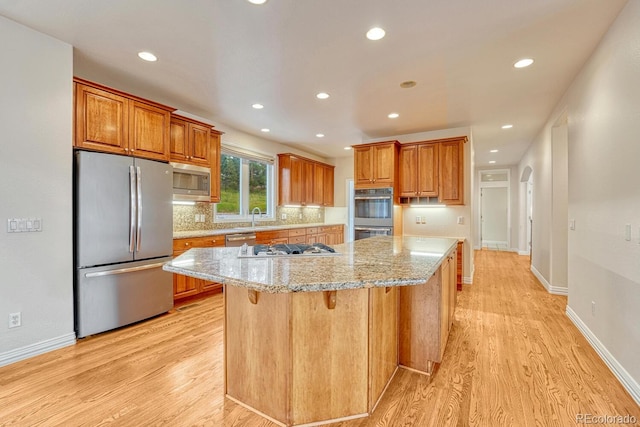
184	217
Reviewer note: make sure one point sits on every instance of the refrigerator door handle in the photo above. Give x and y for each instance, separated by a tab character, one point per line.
139	229
124	270
132	208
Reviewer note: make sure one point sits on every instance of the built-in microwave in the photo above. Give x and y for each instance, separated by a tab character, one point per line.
191	183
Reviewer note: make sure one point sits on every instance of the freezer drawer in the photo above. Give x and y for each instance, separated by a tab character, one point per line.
112	296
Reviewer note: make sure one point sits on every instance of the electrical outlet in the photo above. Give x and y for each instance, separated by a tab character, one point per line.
418	220
460	220
15	320
593	308
283	216
627	232
423	220
572	224
300	216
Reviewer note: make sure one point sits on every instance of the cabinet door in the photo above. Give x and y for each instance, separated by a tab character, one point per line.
214	162
179	141
363	166
308	182
427	170
199	144
384	158
101	120
149	130
296	182
318	185
184	286
450	166
327	197
408	171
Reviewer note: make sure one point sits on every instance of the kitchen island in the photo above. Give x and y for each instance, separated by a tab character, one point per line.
318	338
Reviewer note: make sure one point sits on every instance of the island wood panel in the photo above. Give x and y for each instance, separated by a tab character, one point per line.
258	351
383	340
445	297
459	264
329	355
419	325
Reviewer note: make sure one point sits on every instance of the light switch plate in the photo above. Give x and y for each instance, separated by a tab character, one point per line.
572	224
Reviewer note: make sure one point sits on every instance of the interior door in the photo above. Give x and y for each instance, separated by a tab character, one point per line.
494	209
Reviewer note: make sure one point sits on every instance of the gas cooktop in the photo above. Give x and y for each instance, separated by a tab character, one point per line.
286	250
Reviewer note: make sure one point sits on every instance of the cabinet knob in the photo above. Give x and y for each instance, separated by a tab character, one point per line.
133	149
126	149
187	244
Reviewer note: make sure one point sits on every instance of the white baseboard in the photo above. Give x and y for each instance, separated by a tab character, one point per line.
467	280
41	347
525	253
618	370
555	290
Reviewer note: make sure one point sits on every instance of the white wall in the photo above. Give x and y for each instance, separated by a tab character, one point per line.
35	181
514	207
603	106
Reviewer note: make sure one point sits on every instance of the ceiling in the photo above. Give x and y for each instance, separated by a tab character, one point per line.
218	57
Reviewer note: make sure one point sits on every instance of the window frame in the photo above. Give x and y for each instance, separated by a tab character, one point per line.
245	213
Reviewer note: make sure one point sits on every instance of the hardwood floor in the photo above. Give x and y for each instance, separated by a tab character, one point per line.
513	359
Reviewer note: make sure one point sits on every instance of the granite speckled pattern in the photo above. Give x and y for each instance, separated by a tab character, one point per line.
372	262
216	232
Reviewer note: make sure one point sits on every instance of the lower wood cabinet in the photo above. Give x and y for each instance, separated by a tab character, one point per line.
185	286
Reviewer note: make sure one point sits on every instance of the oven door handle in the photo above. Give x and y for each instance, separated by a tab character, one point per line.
371	229
372	197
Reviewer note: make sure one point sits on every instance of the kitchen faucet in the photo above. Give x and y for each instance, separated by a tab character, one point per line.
253	216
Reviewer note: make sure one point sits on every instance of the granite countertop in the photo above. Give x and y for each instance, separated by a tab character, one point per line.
376	261
221	231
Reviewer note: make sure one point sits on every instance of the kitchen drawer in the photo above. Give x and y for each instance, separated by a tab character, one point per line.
330	229
298	239
272	235
295	232
312	230
181	245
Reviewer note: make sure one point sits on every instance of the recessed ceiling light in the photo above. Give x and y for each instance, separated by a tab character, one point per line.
257	1
322	95
492	161
393	115
408	84
493	151
147	56
523	63
320	135
265	130
258	106
376	33
507	126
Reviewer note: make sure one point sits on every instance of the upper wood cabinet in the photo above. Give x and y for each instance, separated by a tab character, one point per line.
214	164
418	170
304	181
190	141
114	122
450	171
375	165
431	169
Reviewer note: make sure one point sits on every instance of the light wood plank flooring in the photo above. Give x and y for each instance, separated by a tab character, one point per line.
513	359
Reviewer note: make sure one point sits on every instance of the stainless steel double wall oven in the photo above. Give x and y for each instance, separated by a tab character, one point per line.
373	212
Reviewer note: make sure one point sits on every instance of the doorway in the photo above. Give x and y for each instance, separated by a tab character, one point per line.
494	209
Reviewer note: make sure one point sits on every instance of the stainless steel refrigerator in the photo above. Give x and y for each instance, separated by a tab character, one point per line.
123	235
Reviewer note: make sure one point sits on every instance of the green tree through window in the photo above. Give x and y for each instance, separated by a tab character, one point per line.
244	185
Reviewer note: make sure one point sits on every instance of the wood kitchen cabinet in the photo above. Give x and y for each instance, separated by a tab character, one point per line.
418	174
432	171
304	181
450	171
376	165
190	141
111	121
185	286
214	164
